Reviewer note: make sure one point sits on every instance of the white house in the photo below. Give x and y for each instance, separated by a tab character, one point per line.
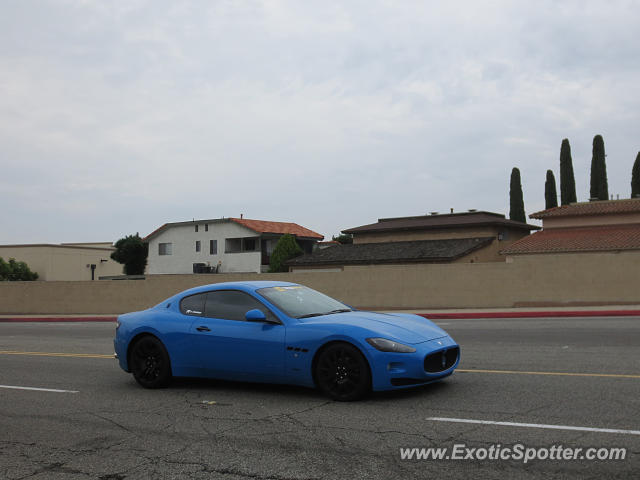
222	245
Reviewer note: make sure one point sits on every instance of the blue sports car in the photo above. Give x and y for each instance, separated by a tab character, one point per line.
279	332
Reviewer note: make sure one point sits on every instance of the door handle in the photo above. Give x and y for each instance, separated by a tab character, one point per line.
203	329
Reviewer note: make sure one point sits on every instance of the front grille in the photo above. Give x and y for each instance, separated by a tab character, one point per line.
441	360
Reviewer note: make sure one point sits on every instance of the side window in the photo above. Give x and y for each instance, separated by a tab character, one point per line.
233	305
193	305
165	248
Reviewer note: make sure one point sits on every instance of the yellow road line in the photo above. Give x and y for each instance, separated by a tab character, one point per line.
566	374
52	354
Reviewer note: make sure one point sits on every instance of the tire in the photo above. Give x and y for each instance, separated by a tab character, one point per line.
342	372
150	363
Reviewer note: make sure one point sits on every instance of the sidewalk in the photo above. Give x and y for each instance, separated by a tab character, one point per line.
58	318
433	314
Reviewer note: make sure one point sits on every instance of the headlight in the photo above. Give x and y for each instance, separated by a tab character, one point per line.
385	345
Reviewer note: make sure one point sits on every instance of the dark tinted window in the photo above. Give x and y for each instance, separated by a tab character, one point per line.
193	305
232	305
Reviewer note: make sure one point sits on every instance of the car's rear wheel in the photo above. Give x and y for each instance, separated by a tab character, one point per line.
150	362
342	372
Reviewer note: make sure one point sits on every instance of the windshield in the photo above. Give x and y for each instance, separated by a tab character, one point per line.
302	302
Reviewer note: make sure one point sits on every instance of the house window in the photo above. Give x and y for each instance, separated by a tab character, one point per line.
213	247
196	228
233	245
237	245
197	245
165	248
206	227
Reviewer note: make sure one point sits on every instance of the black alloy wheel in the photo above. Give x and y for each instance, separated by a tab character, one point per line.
150	363
342	372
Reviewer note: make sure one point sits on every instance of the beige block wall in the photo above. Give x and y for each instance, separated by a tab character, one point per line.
535	280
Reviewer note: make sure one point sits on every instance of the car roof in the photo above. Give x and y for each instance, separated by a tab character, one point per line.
246	286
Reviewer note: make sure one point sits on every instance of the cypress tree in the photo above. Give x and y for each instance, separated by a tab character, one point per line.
599	186
550	194
516	211
567	180
635	178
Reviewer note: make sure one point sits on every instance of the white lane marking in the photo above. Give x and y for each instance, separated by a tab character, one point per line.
536	425
13	387
441	324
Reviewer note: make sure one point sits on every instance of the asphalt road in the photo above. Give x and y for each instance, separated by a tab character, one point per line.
113	429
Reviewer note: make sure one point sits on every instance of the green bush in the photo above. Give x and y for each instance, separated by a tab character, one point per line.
13	271
132	252
344	238
285	249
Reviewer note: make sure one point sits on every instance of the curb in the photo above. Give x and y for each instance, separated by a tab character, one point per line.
534	314
56	319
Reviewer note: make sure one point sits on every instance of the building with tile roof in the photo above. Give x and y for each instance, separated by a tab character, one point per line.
220	245
598	226
467	237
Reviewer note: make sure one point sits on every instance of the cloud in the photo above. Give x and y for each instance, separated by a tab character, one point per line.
118	117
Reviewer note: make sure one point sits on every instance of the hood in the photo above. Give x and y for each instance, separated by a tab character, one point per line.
405	328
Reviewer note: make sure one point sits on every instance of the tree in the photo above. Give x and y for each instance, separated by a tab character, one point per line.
599	186
635	178
550	194
343	238
132	252
285	249
516	212
13	271
567	180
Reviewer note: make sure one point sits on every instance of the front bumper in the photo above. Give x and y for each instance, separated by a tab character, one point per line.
120	354
392	371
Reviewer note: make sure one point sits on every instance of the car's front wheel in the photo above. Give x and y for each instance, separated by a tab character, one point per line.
342	372
150	363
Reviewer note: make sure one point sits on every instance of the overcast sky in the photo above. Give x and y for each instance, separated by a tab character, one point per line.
116	117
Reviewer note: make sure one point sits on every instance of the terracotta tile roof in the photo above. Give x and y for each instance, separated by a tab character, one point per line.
605	207
416	251
583	239
263	226
432	222
259	226
155	232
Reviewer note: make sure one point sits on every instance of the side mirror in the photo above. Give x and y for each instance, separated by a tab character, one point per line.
255	315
